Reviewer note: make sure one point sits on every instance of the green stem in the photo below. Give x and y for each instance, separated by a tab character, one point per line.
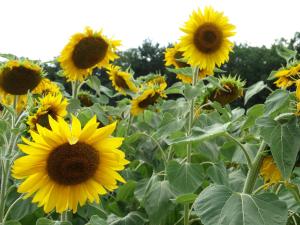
254	171
10	208
75	89
64	216
243	149
186	214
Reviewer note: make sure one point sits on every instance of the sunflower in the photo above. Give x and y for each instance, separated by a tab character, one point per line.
232	89
85	98
286	77
173	56
53	105
121	81
147	98
45	87
67	166
19	77
86	51
269	171
157	82
205	43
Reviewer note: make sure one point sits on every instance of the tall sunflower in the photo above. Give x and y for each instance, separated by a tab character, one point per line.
86	51
147	98
174	57
18	77
53	105
67	166
121	81
205	43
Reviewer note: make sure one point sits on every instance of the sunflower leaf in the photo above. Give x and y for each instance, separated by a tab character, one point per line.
218	205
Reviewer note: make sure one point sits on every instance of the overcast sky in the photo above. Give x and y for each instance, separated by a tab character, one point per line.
39	29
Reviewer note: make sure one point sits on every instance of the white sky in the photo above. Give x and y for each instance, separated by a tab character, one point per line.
39	29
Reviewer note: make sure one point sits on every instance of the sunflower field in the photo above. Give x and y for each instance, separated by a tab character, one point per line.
74	151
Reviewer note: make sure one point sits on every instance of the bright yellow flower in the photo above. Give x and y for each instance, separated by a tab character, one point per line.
45	87
67	166
269	171
205	43
157	82
19	77
173	56
147	98
86	51
121	81
53	105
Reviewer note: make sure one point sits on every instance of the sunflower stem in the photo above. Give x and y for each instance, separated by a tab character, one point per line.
75	89
64	216
186	214
254	171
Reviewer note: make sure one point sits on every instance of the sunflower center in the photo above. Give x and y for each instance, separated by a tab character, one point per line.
208	38
89	51
43	120
19	80
149	100
178	56
120	82
72	164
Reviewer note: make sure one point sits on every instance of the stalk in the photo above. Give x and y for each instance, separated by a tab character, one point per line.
64	216
189	132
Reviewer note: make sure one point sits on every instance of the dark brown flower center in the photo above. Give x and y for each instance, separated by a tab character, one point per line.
19	80
72	164
178	56
85	100
225	97
43	120
208	38
120	82
89	51
149	100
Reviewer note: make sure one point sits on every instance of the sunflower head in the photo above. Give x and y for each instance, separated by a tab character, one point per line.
232	89
287	77
269	171
69	165
122	81
86	51
45	87
147	98
85	98
19	77
50	105
206	40
157	82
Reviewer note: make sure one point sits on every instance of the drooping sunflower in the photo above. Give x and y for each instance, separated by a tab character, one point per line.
18	77
86	51
174	57
143	101
122	81
232	90
206	41
67	166
269	171
53	105
45	87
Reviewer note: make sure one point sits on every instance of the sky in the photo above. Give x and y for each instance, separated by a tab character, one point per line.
39	29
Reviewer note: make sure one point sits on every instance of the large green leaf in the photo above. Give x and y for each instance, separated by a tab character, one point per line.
218	205
185	177
218	174
278	101
253	90
286	53
283	140
133	218
158	201
187	71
